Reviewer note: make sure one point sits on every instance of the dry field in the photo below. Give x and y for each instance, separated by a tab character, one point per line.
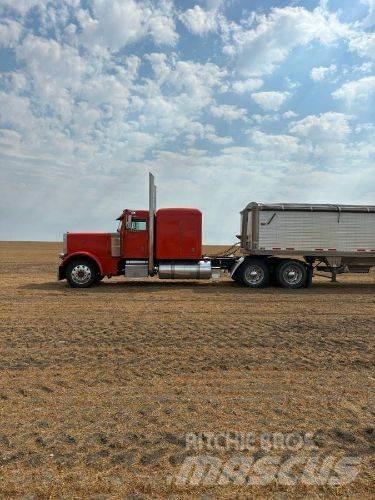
99	387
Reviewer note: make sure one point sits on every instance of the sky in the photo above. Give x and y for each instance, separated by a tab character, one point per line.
225	101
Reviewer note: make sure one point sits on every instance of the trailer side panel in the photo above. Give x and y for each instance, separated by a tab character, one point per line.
310	230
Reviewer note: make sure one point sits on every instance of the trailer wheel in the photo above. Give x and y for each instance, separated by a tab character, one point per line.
81	273
254	273
291	274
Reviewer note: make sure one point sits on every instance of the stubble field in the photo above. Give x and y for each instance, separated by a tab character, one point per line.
99	387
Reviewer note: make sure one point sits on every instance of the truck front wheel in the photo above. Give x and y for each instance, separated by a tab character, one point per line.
81	273
254	273
291	274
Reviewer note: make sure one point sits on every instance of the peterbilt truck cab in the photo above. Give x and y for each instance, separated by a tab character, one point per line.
165	242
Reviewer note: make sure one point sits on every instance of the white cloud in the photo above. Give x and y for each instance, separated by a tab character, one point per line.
369	20
261	48
197	130
215	4
135	145
356	91
83	119
60	78
50	61
324	128
174	102
116	23
276	145
200	21
320	73
195	78
243	86
363	44
289	114
329	139
220	140
22	6
270	101
228	112
159	64
292	84
161	24
55	73
9	33
366	67
365	127
9	138
262	118
15	112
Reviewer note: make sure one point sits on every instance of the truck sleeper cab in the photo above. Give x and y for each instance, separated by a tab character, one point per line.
177	249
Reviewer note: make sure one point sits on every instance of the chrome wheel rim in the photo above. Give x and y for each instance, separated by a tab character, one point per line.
292	274
81	274
254	274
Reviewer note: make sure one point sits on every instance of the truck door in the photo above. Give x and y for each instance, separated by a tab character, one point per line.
135	238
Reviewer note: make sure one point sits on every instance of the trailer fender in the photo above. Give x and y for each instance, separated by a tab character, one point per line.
236	265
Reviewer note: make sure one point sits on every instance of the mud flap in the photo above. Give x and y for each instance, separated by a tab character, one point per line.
236	266
309	277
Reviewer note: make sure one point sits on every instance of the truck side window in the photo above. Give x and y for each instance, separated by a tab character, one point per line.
138	225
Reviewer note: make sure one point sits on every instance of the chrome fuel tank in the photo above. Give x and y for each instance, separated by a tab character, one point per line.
185	271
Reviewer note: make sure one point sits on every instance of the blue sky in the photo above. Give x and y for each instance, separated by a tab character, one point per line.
225	101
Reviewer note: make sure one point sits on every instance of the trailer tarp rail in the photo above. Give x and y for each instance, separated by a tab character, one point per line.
305	207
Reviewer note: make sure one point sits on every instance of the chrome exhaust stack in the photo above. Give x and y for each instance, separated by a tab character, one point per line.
151	223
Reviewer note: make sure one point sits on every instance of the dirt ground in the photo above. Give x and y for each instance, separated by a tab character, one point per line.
99	387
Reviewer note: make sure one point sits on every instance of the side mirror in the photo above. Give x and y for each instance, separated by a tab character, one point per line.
128	222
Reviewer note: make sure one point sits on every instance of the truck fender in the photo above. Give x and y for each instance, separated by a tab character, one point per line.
88	255
236	266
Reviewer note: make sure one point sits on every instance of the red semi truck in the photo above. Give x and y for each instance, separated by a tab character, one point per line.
280	244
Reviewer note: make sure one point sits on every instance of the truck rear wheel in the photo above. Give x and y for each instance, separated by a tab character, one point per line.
254	273
81	273
291	274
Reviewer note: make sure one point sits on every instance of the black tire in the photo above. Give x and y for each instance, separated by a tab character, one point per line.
98	278
81	273
237	278
254	273
292	274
